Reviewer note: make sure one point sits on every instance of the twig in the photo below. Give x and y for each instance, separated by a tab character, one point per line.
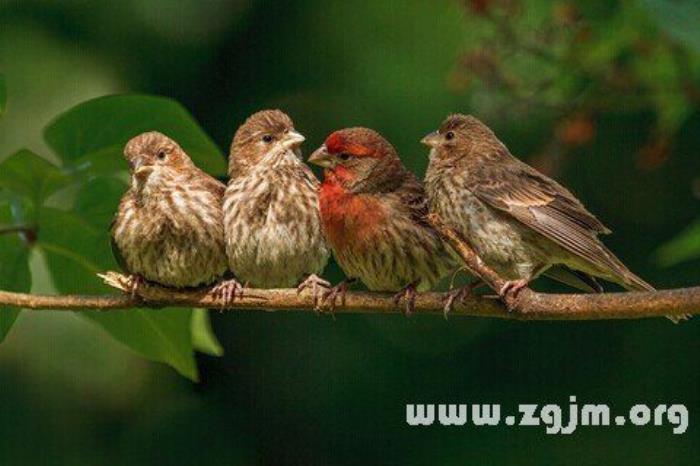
473	262
8	229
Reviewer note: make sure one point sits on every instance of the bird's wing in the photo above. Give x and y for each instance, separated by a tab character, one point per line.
573	278
545	206
115	248
412	195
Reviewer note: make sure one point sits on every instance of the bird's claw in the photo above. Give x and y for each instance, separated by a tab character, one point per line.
409	294
315	283
227	292
510	290
458	295
331	296
133	284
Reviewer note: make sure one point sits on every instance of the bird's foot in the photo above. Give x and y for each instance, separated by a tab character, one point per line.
408	293
459	295
331	296
227	291
315	284
510	290
133	283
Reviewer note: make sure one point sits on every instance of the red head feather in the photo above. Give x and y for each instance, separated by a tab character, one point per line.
338	142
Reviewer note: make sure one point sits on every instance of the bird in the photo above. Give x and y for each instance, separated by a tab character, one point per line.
168	228
272	223
520	222
373	211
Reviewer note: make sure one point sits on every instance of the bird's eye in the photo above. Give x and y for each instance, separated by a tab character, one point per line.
267	138
161	155
344	156
449	135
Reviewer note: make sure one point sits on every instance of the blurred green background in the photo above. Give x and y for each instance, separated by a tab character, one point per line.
603	95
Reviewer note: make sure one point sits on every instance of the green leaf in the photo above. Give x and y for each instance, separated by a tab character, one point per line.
106	124
26	174
203	338
101	163
97	200
678	18
14	267
75	250
684	247
3	94
161	335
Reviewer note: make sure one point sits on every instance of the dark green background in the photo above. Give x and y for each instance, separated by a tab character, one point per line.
299	389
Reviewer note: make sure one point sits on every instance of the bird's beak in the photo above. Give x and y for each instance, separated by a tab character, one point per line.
140	168
293	139
322	158
432	139
136	163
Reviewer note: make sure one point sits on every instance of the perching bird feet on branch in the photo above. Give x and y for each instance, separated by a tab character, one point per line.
227	291
331	296
316	285
409	294
460	295
510	291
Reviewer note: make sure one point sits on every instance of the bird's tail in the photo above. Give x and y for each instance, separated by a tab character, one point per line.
632	282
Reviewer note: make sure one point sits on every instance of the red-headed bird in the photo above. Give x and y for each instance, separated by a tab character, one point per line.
373	211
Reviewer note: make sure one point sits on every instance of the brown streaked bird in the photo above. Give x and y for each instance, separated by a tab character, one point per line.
373	211
519	221
169	226
271	217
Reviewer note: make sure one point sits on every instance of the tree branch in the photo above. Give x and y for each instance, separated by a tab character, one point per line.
536	306
473	262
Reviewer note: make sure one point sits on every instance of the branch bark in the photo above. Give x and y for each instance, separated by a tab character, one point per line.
538	306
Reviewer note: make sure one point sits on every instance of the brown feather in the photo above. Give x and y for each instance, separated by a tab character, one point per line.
474	166
271	218
169	225
545	206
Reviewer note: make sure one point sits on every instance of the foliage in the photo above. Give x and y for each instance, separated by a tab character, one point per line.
65	212
203	338
569	61
105	124
686	246
14	265
678	18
